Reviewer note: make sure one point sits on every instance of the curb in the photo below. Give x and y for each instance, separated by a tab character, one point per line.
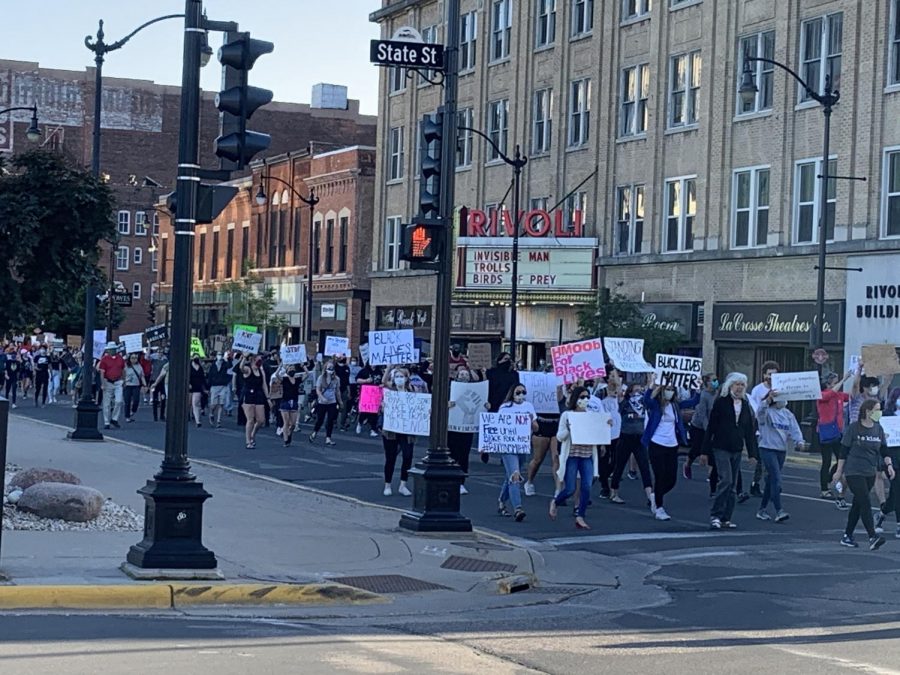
176	596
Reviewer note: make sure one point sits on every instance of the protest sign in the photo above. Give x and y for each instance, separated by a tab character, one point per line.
292	354
337	346
627	354
133	342
478	355
391	347
364	353
541	388
99	343
73	341
891	426
578	360
797	386
505	432
854	363
679	371
249	329
156	333
880	360
68	361
590	428
197	347
246	342
407	412
469	399
370	396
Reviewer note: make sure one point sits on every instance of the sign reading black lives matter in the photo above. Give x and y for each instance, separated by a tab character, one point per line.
679	371
406	49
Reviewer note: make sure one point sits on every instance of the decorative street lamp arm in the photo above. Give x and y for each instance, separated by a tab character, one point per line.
312	200
32	108
100	47
829	98
519	160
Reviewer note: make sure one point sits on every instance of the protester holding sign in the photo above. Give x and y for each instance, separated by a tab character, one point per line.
291	381
328	398
543	392
830	427
460	442
510	491
577	462
395	443
254	391
634	417
368	378
778	433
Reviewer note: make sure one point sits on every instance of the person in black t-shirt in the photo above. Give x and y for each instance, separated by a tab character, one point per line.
41	376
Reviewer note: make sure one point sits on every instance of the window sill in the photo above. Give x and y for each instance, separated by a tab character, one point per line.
807	105
581	36
394	181
750	248
682	129
544	154
140	234
747	117
578	148
540	49
462	169
499	62
633	137
632	20
396	93
682	5
495	162
676	252
467	71
892	88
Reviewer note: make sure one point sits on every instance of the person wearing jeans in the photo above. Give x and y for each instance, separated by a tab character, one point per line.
511	490
134	382
778	432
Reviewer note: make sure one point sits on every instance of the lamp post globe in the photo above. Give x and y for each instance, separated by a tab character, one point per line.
748	88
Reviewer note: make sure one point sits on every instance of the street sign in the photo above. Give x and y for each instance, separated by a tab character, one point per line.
122	298
406	49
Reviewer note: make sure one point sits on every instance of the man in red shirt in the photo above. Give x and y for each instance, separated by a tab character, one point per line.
830	428
112	371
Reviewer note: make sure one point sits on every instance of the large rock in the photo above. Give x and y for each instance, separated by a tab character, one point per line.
25	479
62	500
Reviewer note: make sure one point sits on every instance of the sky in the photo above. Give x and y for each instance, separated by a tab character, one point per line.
315	41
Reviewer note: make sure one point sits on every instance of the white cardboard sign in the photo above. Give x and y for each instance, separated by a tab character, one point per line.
797	386
134	342
627	354
541	388
891	426
505	432
337	346
468	400
293	354
685	372
99	343
391	347
407	412
590	428
246	342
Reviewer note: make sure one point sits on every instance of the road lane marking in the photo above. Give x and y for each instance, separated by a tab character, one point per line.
648	536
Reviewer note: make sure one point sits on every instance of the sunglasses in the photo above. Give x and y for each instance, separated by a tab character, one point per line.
520	393
583	398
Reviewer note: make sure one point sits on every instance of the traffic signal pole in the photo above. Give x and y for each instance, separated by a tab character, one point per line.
437	478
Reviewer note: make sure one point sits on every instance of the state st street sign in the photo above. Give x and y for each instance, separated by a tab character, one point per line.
406	49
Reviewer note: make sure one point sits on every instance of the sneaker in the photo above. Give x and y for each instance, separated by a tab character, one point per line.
754	490
782	516
686	471
14	407
661	514
358	429
875	543
715	524
312	437
373	434
763	515
847	541
520	515
826	494
463	490
605	494
279	431
841	504
742	497
328	441
728	525
387	490
529	489
129	419
879	522
105	426
632	475
115	424
405	491
485	457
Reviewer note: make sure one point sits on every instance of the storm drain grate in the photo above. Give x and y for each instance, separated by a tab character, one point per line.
481	545
560	590
464	564
389	583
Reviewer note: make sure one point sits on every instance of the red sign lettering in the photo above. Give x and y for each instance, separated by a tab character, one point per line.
535	223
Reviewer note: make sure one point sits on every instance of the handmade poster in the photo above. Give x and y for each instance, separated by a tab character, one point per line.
578	361
197	348
407	412
804	386
391	347
541	388
505	432
854	363
293	354
478	355
73	341
364	353
469	399
370	396
68	361
246	342
627	354
337	346
133	342
891	426
880	360
685	372
99	343
590	428
249	329
156	333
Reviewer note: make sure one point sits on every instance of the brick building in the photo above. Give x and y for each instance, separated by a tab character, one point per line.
139	147
273	240
701	205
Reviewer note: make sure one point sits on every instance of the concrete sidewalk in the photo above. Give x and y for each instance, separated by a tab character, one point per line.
266	533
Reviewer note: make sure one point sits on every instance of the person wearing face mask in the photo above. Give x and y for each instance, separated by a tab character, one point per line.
197	386
578	463
458	442
457	360
634	417
830	427
394	443
778	433
134	382
730	428
866	452
41	375
328	398
759	392
510	490
253	391
699	420
291	381
368	375
218	379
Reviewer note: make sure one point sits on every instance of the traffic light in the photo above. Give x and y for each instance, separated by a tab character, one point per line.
151	312
422	243
431	135
237	101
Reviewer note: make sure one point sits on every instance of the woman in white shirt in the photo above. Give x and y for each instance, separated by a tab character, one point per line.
511	491
576	461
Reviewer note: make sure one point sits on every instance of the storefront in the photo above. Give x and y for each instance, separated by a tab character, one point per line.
415	317
873	302
680	317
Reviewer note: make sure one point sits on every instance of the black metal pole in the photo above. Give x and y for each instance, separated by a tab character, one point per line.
518	163
819	327
313	200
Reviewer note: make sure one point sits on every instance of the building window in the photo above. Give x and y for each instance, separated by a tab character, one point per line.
317	237
629	219
684	89
429	36
273	238
501	29
124	222
538	203
260	222
542	121
245	248
579	112
497	124
681	208
632	9
576	210
761	44
634	115
138	255
392	243
229	252
140	223
674	4
468	30
136	290
122	258
396	79
820	52
165	257
154	260
396	157
750	213
582	17
155	222
891	200
345	226
214	261
545	25
201	257
464	141
808	190
894	42
329	246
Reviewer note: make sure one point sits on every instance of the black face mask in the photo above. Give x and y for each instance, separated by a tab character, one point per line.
504	365
454	352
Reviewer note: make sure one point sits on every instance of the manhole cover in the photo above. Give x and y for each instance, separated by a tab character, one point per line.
389	583
482	546
464	564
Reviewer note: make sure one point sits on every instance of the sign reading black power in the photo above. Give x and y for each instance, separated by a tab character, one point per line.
406	49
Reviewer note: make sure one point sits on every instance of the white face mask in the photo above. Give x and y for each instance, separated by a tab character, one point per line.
668	395
583	403
400	381
873	391
519	398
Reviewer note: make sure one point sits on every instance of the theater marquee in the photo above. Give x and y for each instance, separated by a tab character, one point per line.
544	264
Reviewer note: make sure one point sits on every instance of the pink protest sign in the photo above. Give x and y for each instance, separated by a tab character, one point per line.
370	397
578	361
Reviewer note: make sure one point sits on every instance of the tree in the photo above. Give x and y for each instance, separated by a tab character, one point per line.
251	302
614	315
53	214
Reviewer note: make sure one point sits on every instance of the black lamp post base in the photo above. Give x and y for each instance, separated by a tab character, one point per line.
87	416
436	499
173	525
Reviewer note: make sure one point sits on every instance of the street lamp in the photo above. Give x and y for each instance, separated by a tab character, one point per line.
311	202
33	133
517	162
828	99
